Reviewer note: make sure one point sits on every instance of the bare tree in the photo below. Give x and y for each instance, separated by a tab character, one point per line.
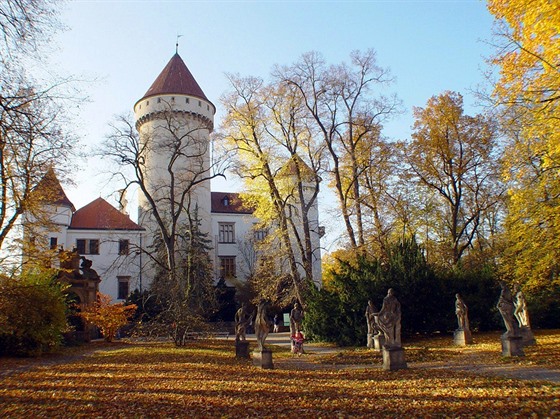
339	99
176	244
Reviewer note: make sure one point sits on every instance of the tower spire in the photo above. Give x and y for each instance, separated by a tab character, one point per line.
177	44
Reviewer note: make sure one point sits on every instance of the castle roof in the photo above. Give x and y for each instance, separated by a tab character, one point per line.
293	165
100	215
175	78
229	202
49	190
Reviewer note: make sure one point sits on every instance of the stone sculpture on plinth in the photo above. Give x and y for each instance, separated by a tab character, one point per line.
512	342
462	335
389	320
375	337
262	356
242	319
522	315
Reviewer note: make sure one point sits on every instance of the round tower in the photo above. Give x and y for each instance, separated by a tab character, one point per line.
174	120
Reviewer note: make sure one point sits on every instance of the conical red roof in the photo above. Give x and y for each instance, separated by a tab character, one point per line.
175	78
100	215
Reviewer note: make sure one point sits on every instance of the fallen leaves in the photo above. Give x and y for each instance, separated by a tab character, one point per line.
206	380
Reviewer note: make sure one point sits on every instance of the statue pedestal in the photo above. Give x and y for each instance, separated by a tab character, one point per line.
393	358
263	359
462	337
379	341
512	345
527	336
242	349
370	340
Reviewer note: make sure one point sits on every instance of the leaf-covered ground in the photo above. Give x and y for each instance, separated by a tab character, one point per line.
144	380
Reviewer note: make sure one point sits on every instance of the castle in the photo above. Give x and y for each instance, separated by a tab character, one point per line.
108	237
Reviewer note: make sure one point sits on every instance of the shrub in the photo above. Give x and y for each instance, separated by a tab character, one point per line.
108	317
33	313
336	313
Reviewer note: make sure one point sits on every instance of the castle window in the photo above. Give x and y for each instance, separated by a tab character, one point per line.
123	247
172	99
53	243
207	107
87	246
199	103
124	287
225	201
159	100
226	232
147	102
187	100
260	234
227	266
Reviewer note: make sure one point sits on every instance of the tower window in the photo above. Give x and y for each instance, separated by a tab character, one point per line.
53	243
226	232
172	99
199	103
187	100
147	102
159	100
207	107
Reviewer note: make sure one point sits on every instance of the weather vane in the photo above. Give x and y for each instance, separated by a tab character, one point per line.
177	44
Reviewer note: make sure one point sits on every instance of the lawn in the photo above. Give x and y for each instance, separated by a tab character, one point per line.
148	379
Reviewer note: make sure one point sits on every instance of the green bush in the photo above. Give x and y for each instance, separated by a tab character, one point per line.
337	313
33	312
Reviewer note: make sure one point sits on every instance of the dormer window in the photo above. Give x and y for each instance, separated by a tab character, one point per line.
225	201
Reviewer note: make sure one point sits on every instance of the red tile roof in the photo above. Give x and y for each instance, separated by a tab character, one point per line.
50	191
175	78
100	215
233	201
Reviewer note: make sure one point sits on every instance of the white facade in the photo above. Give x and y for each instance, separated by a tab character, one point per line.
115	270
174	94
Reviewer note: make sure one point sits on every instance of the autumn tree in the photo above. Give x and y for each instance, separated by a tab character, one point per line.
32	115
347	110
32	313
267	129
454	159
527	99
107	316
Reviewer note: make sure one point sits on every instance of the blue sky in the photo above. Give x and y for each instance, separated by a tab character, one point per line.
430	47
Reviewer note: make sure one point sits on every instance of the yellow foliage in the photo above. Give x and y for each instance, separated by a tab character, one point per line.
529	92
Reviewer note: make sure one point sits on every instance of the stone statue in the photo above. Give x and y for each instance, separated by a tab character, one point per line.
521	313
296	317
242	319
389	319
371	314
87	271
462	313
262	324
507	310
